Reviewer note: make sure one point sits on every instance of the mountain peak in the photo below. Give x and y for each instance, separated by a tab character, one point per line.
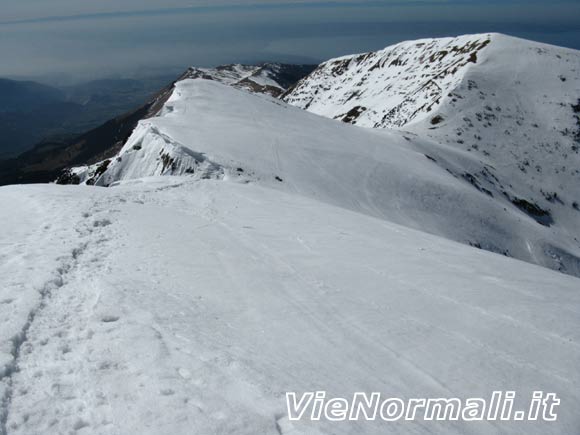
390	87
266	78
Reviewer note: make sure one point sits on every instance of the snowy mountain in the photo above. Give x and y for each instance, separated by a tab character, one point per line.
268	78
51	160
381	173
509	108
392	87
245	248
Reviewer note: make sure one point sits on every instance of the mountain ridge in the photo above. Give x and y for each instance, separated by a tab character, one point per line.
486	191
50	160
382	173
511	116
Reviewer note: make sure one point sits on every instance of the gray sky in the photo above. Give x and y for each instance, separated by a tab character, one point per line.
72	39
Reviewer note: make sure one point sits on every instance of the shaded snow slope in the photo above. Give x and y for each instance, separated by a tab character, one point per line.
175	306
209	130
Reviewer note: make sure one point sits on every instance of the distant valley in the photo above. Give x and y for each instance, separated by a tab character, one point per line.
32	113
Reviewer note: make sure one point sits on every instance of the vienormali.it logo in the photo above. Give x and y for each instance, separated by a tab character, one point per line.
316	406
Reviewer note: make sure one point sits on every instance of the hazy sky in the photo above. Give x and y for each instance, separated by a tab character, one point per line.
73	38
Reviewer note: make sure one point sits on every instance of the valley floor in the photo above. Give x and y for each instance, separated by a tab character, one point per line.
169	306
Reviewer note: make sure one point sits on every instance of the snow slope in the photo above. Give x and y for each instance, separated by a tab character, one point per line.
98	146
386	174
391	87
518	114
509	107
175	306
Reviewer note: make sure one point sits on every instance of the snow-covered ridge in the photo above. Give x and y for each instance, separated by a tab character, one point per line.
506	140
512	104
211	130
517	113
268	78
391	87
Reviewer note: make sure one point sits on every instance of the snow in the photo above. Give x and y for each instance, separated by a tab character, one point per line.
514	112
381	173
246	248
176	305
509	107
390	87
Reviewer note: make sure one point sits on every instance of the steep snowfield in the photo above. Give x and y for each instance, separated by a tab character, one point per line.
518	114
380	173
176	306
510	107
391	87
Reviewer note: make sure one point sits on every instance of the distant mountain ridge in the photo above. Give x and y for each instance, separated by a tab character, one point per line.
268	78
19	96
36	114
27	111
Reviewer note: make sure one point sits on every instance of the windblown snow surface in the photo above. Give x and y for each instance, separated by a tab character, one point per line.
174	306
287	252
